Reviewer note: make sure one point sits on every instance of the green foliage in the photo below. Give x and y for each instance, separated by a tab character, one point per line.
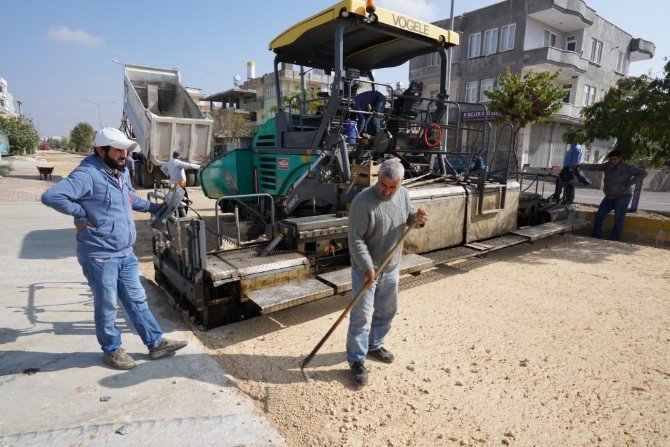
295	99
232	124
55	143
574	135
23	136
525	99
635	112
81	137
5	169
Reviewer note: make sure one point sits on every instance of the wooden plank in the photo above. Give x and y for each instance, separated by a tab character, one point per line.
550	228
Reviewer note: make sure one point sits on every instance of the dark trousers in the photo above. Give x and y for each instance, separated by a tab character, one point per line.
620	207
564	182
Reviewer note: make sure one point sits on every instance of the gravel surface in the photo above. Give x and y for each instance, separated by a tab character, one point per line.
562	342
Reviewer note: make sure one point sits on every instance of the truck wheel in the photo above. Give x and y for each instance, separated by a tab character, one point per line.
157	176
191	178
147	180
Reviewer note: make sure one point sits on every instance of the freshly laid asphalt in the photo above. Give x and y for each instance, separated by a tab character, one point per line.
54	388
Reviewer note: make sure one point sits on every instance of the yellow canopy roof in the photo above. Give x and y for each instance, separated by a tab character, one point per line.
391	40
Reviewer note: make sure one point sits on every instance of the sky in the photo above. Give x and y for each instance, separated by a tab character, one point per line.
56	52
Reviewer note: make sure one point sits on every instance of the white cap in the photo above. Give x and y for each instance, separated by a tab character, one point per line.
110	136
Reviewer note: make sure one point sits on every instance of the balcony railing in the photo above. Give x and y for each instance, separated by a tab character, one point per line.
557	57
641	49
575	8
433	71
569	112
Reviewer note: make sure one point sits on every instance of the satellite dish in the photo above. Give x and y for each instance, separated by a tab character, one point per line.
236	79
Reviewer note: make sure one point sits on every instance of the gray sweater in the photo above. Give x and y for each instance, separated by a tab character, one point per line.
617	179
375	225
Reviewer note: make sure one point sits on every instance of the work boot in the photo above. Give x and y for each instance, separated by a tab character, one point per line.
382	354
360	373
119	360
166	347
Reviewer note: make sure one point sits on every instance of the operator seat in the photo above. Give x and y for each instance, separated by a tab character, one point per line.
405	109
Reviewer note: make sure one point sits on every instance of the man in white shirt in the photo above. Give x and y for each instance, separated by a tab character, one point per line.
174	169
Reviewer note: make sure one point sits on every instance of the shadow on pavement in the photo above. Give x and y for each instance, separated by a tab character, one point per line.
61	244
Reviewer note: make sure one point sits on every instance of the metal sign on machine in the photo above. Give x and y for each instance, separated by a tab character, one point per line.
282	163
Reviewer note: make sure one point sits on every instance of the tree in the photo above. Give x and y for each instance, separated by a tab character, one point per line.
81	137
635	112
231	124
55	143
524	99
23	137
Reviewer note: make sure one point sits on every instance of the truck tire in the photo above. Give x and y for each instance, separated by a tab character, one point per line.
147	179
191	178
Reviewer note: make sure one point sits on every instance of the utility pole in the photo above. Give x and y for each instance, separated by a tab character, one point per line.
448	86
98	104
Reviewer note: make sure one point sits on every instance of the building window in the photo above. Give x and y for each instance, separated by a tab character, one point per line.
571	43
589	94
567	89
487	84
507	37
474	44
620	62
549	39
596	50
270	91
471	91
490	41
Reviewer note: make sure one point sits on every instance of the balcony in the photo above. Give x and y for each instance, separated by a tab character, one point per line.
564	15
550	59
568	113
641	49
433	72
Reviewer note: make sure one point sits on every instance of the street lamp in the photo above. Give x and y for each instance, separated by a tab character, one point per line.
98	104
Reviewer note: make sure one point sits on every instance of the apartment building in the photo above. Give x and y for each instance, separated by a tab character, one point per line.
258	95
539	35
6	99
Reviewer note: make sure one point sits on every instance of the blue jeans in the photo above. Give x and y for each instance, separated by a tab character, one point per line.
112	277
620	207
371	317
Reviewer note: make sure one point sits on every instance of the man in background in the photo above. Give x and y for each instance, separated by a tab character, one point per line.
619	176
174	170
573	157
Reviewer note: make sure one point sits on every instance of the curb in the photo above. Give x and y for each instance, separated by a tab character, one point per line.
636	228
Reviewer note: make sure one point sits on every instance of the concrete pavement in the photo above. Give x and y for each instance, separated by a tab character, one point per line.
56	391
653	201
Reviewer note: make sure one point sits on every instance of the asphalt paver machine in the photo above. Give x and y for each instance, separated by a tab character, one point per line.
278	237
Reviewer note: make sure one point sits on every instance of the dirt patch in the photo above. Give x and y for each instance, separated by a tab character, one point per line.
563	342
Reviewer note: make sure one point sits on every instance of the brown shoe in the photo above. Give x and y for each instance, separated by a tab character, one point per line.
119	360
166	347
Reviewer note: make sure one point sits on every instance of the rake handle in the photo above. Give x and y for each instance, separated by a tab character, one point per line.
353	302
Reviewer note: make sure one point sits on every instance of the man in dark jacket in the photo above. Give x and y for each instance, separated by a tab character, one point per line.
100	197
619	176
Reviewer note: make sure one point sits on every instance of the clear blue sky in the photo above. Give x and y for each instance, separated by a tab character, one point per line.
56	51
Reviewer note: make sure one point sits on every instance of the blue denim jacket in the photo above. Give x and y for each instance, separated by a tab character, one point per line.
92	195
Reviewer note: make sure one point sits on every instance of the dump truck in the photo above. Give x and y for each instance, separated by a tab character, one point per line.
162	117
278	237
